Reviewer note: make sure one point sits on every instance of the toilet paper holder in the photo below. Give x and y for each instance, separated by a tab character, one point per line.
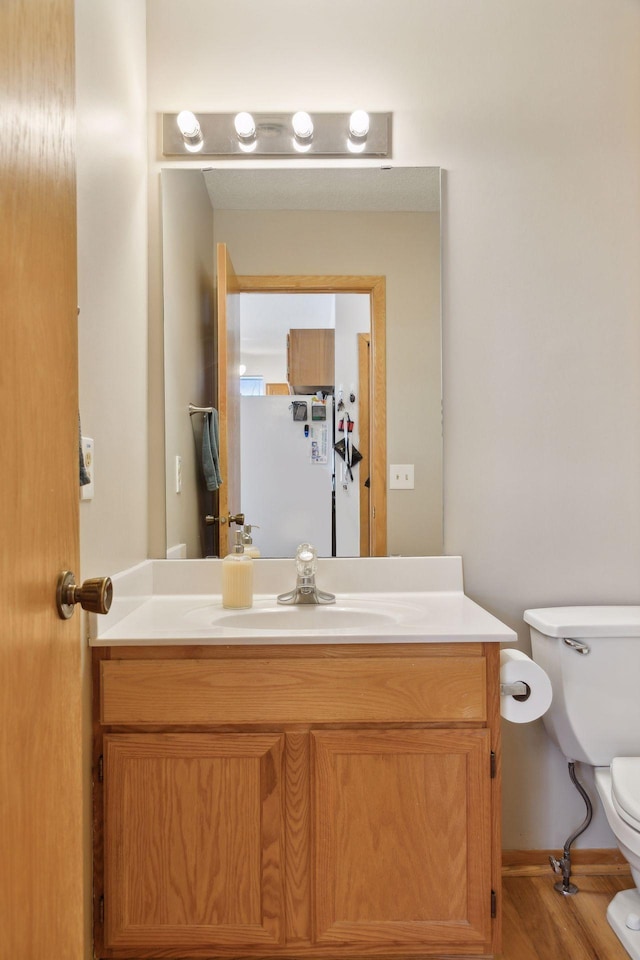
519	690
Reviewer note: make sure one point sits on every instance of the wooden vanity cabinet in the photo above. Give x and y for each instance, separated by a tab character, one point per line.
297	801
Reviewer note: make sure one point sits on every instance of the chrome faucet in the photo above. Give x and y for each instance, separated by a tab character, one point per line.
305	590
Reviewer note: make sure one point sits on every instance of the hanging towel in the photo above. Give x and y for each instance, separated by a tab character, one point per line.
210	450
84	476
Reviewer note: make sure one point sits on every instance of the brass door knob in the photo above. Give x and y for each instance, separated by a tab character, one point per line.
238	518
94	595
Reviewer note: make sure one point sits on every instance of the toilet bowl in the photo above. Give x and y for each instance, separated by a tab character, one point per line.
626	833
623	913
592	657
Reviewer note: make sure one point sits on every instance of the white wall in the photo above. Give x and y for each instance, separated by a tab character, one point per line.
112	295
112	277
265	321
533	109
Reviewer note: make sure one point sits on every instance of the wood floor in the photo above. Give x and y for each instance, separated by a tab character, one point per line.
540	924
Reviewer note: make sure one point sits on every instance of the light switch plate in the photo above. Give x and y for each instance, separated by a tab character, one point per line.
401	476
86	492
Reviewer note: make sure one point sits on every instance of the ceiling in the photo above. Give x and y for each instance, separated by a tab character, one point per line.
325	188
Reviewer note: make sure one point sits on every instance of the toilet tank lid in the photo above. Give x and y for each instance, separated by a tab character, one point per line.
575	622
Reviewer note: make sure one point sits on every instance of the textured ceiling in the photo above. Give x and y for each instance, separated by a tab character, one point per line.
322	188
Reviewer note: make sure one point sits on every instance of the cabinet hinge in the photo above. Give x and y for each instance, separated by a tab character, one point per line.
101	769
492	764
493	904
101	910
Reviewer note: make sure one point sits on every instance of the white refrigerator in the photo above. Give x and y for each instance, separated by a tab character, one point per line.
287	473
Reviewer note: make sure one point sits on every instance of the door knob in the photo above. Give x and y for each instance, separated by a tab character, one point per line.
94	595
237	518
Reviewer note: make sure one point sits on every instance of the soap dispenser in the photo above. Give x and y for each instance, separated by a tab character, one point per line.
247	540
237	577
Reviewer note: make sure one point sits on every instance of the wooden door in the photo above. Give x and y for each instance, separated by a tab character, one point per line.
228	393
41	879
402	838
193	841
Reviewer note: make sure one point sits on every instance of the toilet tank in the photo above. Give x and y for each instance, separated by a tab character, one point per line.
595	713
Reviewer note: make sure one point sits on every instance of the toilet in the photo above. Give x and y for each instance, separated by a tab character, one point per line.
592	657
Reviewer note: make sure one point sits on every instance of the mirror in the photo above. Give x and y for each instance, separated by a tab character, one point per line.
322	221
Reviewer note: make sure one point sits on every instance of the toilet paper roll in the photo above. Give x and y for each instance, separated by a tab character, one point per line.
515	665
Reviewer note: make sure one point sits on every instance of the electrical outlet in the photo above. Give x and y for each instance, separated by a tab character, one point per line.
86	492
178	474
401	476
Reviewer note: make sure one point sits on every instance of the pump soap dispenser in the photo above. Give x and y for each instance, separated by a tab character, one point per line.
237	578
247	540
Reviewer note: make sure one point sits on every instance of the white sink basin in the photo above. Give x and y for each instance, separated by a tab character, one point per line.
345	615
305	617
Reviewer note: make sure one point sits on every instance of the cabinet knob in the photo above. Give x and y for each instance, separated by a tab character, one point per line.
94	595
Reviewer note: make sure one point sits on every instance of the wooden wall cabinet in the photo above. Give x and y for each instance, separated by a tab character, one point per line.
290	828
311	360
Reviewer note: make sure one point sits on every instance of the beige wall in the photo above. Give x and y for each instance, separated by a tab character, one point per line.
532	108
112	295
187	226
404	247
112	277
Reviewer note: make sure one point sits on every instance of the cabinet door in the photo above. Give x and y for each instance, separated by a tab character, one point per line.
402	834
193	840
311	359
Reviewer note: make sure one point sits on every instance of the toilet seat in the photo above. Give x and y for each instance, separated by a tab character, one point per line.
625	789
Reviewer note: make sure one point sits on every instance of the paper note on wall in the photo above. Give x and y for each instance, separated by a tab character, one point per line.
319	443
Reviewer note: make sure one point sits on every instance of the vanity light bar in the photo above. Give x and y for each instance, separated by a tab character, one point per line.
325	135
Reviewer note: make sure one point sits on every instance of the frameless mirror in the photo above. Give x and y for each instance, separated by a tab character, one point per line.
328	223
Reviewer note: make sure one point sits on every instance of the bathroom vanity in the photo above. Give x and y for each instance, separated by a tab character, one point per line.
302	791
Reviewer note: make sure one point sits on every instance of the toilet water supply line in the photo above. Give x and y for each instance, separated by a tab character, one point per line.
564	866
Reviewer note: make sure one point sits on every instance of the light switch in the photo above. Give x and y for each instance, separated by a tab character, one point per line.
401	476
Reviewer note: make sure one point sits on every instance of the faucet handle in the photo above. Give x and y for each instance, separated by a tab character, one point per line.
306	560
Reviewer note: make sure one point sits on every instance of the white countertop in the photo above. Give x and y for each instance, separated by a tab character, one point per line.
378	600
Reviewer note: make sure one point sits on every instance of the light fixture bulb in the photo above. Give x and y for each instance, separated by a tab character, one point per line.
188	124
359	124
190	130
302	125
245	125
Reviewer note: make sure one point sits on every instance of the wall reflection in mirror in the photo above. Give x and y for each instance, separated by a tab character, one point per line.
292	484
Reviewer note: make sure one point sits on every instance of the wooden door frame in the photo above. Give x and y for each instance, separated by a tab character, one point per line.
364	441
375	287
227	393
